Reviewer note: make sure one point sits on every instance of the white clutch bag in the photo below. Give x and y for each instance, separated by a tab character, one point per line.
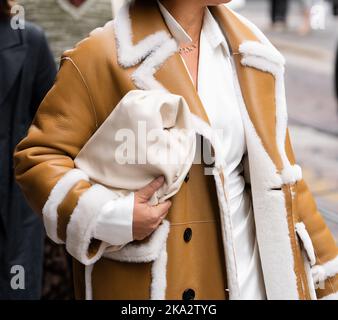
148	134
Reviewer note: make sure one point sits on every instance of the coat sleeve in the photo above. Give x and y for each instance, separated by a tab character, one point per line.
325	266
45	171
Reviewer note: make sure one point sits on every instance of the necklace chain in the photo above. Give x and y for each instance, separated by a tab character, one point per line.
188	49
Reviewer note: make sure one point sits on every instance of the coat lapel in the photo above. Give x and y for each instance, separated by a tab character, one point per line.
144	41
257	86
260	71
12	56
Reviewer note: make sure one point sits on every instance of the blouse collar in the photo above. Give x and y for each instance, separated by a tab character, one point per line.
210	28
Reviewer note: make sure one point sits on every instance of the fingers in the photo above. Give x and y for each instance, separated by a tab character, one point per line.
164	207
146	193
160	211
146	219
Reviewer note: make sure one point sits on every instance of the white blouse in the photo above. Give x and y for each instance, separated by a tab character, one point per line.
217	93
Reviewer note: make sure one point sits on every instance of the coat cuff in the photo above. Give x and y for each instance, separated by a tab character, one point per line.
114	224
58	193
324	271
82	224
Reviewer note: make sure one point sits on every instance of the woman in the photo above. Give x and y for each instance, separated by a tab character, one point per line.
27	72
263	238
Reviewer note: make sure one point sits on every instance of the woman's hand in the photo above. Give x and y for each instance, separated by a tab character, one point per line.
147	218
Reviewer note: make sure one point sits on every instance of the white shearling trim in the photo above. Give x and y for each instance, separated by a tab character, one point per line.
143	252
291	174
88	281
260	35
255	48
270	214
307	242
227	234
281	109
262	64
155	49
307	268
159	276
82	223
152	251
318	274
332	296
264	56
324	271
128	54
58	193
143	76
298	174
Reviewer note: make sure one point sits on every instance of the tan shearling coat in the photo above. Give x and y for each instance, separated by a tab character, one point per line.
136	51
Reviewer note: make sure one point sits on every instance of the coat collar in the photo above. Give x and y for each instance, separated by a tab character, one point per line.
8	37
253	53
144	42
210	28
176	30
260	71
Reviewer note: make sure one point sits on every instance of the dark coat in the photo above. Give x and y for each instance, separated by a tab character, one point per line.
336	74
27	72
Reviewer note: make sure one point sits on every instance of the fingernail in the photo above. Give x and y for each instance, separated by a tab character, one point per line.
160	179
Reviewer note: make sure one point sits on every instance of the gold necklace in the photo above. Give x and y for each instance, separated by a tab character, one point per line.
188	49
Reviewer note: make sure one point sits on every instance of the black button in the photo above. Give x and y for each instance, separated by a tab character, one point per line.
186	179
187	234
188	294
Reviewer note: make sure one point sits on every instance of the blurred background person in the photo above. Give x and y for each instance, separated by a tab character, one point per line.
306	10
27	72
66	22
279	10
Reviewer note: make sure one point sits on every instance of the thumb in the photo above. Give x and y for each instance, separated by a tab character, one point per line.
146	193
